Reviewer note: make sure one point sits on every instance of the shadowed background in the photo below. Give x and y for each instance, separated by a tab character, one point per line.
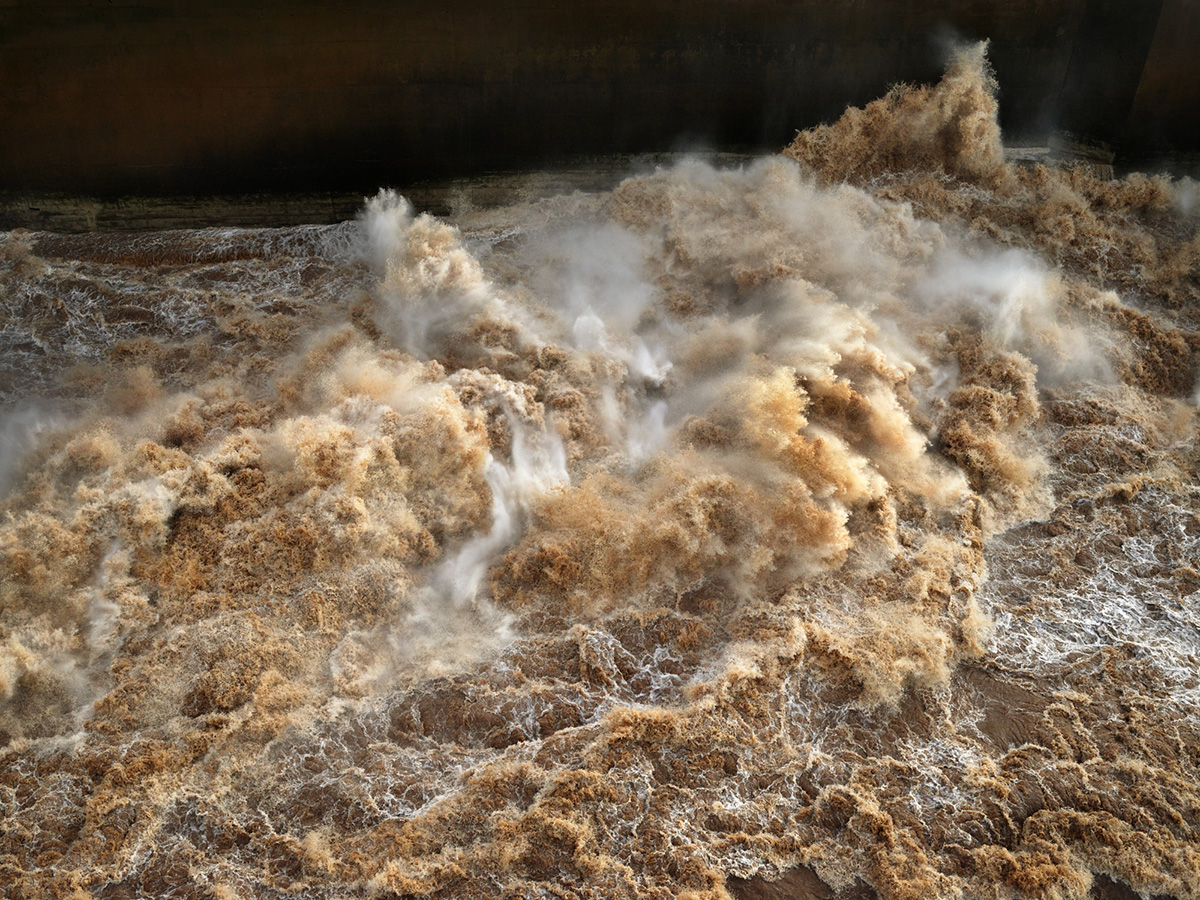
158	97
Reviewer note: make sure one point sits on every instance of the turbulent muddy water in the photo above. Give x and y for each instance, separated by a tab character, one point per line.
834	515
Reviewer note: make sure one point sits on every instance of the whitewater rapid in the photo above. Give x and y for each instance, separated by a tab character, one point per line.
837	511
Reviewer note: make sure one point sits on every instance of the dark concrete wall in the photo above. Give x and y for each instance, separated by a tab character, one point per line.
176	96
1166	108
1108	57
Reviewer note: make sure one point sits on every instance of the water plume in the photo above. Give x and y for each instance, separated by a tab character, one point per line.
950	127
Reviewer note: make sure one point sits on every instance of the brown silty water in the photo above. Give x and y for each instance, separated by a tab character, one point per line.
837	511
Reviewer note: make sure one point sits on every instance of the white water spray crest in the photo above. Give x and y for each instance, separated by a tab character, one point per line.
538	465
1186	196
432	289
452	619
382	223
597	275
21	428
649	434
1015	301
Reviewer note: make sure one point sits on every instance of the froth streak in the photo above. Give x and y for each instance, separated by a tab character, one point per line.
836	515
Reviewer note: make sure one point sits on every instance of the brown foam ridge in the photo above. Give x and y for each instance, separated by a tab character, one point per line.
803	884
825	527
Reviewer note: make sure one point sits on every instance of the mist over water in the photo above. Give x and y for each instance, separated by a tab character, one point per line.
837	511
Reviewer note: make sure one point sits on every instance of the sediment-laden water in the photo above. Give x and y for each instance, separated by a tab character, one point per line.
837	513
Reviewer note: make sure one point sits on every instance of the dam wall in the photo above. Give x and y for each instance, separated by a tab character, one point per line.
158	97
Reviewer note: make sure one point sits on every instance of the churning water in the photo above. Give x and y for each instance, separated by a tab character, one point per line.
838	510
